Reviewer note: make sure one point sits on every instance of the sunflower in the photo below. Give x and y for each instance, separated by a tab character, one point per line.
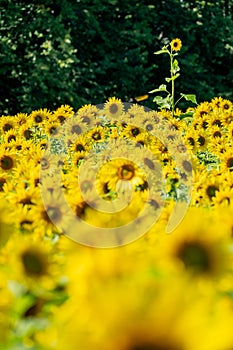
226	105
62	113
26	132
3	181
51	128
208	186
40	116
196	249
228	119
80	144
190	138
230	131
216	118
135	112
77	158
7	161
142	140
131	131
202	140
25	196
74	126
7	123
216	102
176	44
52	217
216	131
223	198
96	135
202	110
66	109
22	118
226	161
113	108
10	136
218	145
87	114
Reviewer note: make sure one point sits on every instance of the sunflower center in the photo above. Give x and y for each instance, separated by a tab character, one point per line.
80	209
205	125
86	185
201	140
54	213
27	134
96	136
61	118
211	191
126	172
33	263
230	162
11	137
181	148
79	147
2	182
149	127
135	131
217	122
149	163
26	201
86	120
194	255
202	113
191	141
113	108
6	163
106	189
76	129
38	119
53	130
154	204
217	134
44	164
187	165
7	127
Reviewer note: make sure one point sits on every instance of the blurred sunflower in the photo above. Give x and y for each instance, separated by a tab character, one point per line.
193	249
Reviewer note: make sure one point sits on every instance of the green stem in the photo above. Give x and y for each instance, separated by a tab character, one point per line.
173	85
178	101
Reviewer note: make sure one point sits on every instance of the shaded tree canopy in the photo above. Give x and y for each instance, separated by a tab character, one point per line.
84	51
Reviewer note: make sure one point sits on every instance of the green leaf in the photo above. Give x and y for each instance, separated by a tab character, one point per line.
162	87
175	67
161	51
191	98
163	102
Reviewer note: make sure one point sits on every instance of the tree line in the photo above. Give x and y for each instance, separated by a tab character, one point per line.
84	51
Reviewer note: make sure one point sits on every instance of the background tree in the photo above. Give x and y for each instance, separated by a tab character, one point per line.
84	51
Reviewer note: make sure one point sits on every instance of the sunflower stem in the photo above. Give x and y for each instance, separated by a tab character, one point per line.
173	85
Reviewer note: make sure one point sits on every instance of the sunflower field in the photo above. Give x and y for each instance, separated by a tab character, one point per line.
64	287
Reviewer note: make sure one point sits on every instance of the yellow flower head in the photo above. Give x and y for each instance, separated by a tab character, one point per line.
176	44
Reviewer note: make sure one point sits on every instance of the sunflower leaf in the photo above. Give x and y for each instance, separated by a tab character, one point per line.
191	98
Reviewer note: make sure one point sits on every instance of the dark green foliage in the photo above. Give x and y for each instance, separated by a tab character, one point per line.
76	52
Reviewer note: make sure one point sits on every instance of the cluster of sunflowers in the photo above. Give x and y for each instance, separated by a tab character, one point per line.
162	291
